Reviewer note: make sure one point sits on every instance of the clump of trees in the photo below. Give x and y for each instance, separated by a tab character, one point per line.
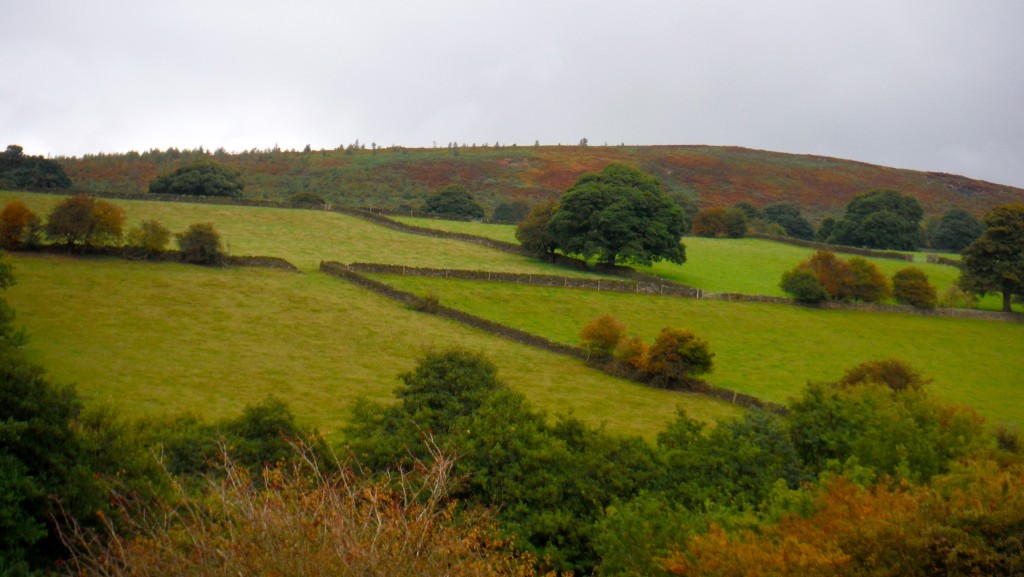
881	219
825	276
18	170
619	215
676	360
511	212
85	221
720	222
955	231
455	201
200	178
995	262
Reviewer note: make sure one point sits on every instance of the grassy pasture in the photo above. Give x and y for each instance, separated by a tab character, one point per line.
157	337
773	350
305	237
746	266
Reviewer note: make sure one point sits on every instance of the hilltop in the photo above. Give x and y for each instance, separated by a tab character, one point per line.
400	178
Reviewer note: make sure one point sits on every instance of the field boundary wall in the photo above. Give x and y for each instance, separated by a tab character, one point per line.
834	247
522	337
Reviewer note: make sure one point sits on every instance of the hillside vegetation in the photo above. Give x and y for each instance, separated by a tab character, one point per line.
402	178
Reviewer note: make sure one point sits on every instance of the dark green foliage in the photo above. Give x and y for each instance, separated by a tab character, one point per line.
887	431
200	244
910	286
455	201
825	229
720	222
678	358
995	262
750	212
549	483
20	171
736	465
201	178
956	231
533	232
512	212
41	460
883	219
307	199
84	220
787	215
619	214
803	286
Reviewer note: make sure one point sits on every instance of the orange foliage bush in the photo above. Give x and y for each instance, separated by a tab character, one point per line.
967	523
601	336
18	225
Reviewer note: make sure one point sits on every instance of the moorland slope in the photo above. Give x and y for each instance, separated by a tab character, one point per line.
401	177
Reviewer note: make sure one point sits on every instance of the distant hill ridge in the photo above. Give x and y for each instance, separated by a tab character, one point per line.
401	177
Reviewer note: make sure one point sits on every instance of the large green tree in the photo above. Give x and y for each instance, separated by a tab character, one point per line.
882	219
995	262
618	214
787	215
201	178
956	230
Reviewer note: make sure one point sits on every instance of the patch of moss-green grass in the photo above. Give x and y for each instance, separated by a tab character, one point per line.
152	338
306	237
772	351
754	266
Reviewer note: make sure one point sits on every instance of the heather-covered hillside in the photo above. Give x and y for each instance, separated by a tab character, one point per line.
401	178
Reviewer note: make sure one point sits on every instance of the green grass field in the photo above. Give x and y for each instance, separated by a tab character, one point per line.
772	351
155	337
746	266
161	337
305	237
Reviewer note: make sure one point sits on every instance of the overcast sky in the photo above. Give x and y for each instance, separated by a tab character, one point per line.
922	84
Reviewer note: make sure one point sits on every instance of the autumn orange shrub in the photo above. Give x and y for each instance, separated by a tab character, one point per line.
18	225
966	523
601	336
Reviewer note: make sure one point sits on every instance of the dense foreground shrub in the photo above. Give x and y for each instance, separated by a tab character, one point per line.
200	244
910	286
304	520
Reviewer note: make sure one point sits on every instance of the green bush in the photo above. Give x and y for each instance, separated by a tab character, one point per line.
803	286
200	244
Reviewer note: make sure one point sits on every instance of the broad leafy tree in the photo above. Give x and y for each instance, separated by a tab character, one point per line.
883	219
19	226
995	262
86	221
619	214
201	178
533	231
717	222
956	230
453	200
